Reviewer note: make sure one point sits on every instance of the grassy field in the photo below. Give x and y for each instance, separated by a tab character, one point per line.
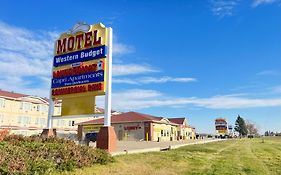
241	156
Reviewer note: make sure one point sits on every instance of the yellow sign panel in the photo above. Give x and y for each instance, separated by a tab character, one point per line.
78	106
92	128
222	131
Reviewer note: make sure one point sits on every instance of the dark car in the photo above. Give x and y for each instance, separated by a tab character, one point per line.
91	137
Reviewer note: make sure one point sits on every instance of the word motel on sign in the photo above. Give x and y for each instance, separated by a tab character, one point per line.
84	40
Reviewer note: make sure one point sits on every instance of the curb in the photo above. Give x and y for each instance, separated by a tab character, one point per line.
136	151
193	143
158	149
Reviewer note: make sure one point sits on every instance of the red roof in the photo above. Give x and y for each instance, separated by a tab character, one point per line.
125	117
8	94
179	121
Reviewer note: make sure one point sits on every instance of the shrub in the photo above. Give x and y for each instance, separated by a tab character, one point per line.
35	155
3	133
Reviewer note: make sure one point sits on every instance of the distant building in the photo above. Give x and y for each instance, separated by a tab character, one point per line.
184	130
138	126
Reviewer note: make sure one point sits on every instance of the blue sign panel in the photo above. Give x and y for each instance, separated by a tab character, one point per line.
78	79
80	56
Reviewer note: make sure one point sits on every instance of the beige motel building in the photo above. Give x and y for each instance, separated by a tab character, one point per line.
27	115
133	126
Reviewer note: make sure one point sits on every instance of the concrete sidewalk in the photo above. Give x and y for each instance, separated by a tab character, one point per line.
130	147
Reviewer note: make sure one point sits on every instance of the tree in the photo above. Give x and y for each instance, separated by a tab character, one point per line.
251	128
240	126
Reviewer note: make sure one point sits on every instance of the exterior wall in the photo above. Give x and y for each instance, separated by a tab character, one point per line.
23	117
124	131
137	131
141	130
164	132
130	131
190	134
29	118
185	133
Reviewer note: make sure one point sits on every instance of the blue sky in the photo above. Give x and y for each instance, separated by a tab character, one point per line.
196	59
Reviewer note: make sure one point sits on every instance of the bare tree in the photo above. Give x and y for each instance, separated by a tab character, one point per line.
252	127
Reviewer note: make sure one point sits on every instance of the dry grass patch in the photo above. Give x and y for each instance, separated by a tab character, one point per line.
241	156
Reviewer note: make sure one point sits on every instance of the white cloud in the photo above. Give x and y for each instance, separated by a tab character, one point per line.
23	54
121	49
270	72
26	58
148	80
261	2
124	81
131	69
18	84
223	8
140	99
138	94
232	102
276	89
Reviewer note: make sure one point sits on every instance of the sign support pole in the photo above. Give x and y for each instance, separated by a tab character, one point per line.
106	138
49	131
50	113
107	112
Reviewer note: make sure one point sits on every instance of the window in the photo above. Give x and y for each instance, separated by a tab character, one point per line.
26	106
1	118
26	120
44	108
60	122
42	121
71	123
19	119
23	120
36	121
59	110
162	133
2	103
38	107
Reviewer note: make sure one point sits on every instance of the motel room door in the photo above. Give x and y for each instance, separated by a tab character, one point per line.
120	135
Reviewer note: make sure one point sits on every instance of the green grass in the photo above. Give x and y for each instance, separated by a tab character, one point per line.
241	156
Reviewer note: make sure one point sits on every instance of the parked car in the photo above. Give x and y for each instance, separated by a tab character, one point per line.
91	137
